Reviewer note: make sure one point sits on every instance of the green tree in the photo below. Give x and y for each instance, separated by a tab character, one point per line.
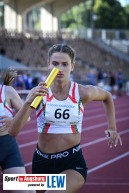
77	17
106	14
126	8
110	15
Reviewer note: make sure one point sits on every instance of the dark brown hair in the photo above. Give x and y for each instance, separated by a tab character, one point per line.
64	48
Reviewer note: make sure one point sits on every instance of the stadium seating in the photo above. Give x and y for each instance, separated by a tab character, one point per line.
31	50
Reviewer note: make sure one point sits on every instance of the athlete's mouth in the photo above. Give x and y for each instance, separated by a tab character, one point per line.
60	75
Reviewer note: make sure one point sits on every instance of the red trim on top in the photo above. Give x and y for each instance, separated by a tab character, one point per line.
73	129
46	128
1	93
73	94
72	99
73	90
81	109
8	109
39	113
49	98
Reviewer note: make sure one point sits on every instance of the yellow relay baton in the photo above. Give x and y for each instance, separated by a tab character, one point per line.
49	81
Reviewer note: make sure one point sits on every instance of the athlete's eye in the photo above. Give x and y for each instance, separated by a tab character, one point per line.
55	63
65	64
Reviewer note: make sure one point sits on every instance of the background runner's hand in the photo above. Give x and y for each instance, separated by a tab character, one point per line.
5	123
114	138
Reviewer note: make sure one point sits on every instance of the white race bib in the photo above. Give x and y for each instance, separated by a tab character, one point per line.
61	113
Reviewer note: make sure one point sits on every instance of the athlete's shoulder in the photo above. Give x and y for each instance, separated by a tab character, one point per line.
10	92
9	88
85	92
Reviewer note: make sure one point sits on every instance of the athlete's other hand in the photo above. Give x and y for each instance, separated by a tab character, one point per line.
5	123
114	138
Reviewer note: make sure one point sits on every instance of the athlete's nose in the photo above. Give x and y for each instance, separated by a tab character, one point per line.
60	68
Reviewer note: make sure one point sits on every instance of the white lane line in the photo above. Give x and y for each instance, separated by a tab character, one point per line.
102	139
28	131
27	144
108	162
103	124
103	115
28	164
107	184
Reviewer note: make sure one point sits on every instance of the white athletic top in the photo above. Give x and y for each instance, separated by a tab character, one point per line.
54	116
4	107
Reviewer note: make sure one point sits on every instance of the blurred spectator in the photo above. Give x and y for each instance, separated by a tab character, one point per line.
43	76
127	88
105	77
35	81
27	80
19	82
99	76
91	77
112	83
120	81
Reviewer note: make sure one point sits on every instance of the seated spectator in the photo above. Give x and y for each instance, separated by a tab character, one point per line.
112	83
120	81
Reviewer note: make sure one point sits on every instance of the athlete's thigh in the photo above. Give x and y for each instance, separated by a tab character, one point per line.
15	170
74	182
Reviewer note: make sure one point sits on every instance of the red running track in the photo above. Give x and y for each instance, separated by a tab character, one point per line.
108	170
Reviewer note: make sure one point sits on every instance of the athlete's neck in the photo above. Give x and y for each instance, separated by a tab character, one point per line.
59	87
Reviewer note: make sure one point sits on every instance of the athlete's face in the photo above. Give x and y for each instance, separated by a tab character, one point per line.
62	61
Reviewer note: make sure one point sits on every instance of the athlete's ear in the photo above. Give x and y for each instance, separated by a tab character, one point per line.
72	66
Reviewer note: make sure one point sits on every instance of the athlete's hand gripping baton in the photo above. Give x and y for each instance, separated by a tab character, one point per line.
49	81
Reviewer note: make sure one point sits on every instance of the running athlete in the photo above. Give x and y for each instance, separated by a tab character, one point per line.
10	158
59	121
